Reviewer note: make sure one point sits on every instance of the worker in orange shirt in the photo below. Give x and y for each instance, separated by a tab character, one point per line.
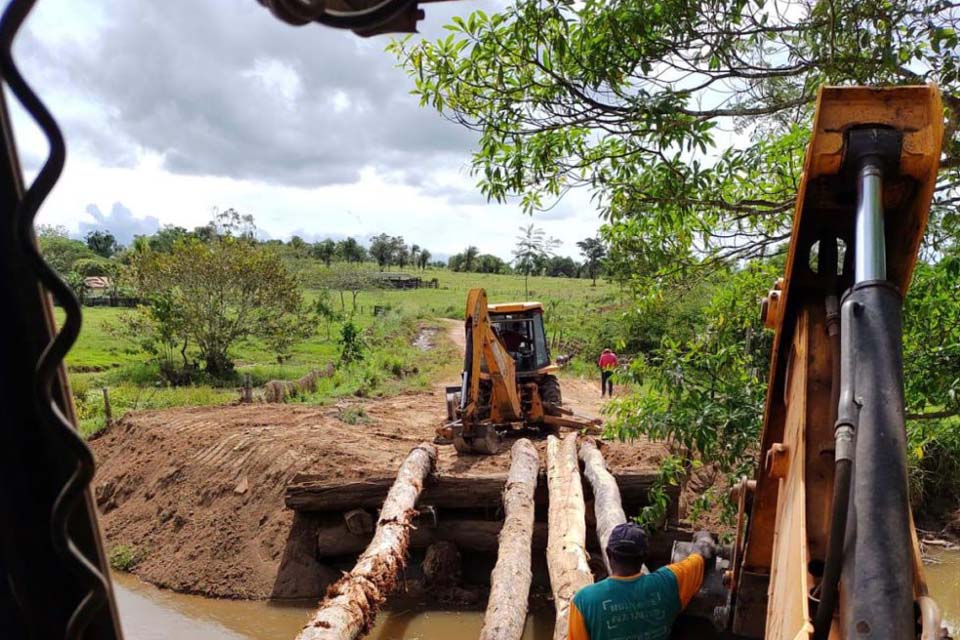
608	363
629	604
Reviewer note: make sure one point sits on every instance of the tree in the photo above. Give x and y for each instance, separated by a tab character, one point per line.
220	292
94	267
349	250
232	223
324	251
533	248
52	231
423	259
561	267
62	252
467	260
415	255
635	100
160	329
400	253
324	310
166	237
488	263
931	340
470	258
343	278
703	389
283	331
593	251
102	243
382	248
298	245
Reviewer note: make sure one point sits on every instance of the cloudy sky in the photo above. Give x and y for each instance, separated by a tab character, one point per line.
173	108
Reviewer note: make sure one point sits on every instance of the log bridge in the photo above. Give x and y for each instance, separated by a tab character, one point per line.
458	524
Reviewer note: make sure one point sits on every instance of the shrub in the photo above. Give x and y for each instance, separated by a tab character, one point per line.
353	415
351	343
124	557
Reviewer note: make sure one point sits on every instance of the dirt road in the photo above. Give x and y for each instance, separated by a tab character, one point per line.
198	492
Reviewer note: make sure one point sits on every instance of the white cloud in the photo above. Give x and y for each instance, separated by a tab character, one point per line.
174	109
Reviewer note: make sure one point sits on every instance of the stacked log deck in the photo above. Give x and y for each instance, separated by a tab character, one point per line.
335	517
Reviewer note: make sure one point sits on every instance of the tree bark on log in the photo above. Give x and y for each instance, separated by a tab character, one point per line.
510	580
307	492
606	495
567	558
351	604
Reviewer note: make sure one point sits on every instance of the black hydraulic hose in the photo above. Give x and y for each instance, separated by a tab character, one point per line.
833	562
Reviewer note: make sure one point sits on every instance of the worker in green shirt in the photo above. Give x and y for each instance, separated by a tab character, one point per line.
632	606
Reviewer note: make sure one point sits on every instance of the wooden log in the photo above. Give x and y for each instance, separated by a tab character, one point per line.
351	603
606	495
510	580
479	536
567	559
308	492
359	522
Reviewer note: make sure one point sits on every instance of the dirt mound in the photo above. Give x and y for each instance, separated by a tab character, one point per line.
198	492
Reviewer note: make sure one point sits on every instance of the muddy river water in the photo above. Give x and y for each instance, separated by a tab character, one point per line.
148	613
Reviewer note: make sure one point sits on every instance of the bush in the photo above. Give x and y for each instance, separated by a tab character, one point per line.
351	343
353	415
933	447
124	557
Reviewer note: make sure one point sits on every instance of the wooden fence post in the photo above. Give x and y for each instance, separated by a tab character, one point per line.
247	388
107	412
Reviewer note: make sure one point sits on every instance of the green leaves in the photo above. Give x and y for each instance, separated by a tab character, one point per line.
213	294
704	384
688	116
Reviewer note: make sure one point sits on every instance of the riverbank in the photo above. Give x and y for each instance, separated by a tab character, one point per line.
195	496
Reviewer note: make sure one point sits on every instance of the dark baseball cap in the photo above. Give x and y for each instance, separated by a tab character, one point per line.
627	540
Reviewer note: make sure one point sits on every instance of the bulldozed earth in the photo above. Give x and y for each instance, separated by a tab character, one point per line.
197	495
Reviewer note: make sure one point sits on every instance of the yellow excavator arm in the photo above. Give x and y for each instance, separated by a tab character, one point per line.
487	357
826	546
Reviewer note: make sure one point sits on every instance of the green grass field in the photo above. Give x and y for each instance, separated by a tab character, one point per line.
392	365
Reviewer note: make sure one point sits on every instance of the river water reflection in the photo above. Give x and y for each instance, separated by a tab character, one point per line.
148	613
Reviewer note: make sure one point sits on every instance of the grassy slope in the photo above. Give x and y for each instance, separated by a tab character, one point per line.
392	365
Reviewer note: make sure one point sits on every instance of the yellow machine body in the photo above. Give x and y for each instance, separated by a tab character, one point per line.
508	377
785	512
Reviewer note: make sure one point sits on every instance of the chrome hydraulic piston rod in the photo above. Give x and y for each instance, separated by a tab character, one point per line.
870	255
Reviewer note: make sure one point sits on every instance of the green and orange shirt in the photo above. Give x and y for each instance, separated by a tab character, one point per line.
638	607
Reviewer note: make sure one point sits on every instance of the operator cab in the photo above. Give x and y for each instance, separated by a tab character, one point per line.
520	328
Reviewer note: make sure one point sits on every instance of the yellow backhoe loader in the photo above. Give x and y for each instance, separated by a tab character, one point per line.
508	379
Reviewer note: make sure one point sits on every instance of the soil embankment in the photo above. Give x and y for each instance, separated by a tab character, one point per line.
197	493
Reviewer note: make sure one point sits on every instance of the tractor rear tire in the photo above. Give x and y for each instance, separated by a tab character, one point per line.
550	391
